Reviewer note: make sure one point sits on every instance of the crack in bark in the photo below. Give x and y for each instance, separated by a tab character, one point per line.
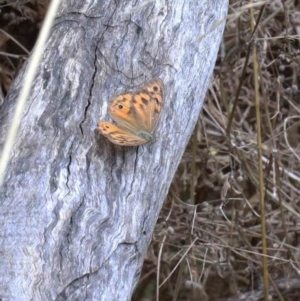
94	75
90	93
74	285
68	167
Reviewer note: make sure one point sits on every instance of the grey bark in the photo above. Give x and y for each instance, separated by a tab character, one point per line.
77	212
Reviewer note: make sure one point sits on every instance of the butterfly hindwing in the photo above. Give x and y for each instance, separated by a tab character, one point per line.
120	136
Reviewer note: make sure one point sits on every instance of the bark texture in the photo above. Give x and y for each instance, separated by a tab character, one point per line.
77	212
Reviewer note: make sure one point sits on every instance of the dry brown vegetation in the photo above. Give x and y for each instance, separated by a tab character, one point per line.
235	195
20	22
208	242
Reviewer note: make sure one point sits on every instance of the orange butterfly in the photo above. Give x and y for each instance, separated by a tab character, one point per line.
135	114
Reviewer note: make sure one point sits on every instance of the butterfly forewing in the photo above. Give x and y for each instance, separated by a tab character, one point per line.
122	113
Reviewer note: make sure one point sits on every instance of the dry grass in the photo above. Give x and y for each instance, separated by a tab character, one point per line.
209	240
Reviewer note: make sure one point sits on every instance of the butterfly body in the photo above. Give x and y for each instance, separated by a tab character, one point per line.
135	115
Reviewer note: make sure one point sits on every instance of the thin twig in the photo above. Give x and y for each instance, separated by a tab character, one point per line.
260	168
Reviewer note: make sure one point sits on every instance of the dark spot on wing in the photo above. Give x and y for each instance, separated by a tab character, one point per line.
155	88
145	101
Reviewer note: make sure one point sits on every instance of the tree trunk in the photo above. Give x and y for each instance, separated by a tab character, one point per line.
77	212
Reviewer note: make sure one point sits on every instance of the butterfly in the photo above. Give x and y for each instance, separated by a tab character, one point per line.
135	115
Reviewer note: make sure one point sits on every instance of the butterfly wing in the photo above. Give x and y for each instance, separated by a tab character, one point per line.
155	89
139	111
120	136
122	112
